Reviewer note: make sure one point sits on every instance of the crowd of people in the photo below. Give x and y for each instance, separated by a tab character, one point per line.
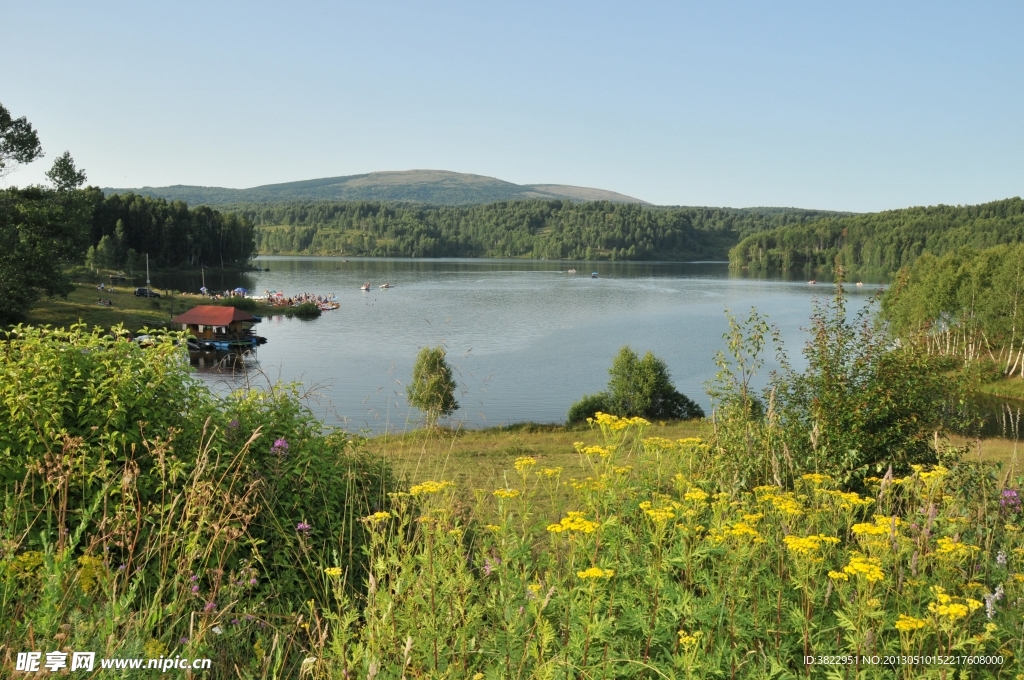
279	300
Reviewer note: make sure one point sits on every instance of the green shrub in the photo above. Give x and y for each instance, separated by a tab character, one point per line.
307	310
432	389
587	407
247	304
153	510
863	403
638	387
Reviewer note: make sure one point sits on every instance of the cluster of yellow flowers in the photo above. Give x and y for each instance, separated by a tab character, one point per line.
429	487
91	570
506	493
602	451
695	494
737	530
616	423
377	517
816	479
595	573
551	472
786	503
574	522
950	607
590	483
847	500
869	568
808	546
954	551
333	572
907	624
936	474
687	640
658	515
524	463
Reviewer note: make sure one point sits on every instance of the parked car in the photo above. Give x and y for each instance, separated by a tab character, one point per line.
146	292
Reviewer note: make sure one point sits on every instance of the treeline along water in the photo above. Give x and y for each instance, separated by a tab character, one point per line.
539	229
881	243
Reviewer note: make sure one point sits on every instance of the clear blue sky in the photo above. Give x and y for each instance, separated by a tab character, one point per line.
853	106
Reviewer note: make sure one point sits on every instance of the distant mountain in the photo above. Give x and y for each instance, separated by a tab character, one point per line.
435	187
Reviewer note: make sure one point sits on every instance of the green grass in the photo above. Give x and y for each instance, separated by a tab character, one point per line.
1009	388
133	312
480	459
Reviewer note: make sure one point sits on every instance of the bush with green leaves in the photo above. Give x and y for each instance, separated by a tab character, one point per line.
637	387
139	508
432	389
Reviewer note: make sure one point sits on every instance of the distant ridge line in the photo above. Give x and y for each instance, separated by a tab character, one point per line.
434	187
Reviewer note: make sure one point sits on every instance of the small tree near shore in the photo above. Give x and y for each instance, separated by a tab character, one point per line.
432	389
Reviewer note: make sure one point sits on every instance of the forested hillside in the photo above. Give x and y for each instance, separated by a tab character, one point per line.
531	229
126	227
433	187
883	242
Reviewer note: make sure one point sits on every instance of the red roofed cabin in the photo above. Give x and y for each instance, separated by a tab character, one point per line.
217	323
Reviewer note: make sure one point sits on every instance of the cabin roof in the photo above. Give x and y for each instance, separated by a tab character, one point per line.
213	315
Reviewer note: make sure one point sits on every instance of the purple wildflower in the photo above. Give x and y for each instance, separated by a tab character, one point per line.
252	581
303	528
210	606
183	641
1010	500
193	578
233	424
489	566
234	622
280	447
195	589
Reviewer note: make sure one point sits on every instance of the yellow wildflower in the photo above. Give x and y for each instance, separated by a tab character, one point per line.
534	588
696	495
506	493
838	576
660	515
574	522
333	572
947	548
91	569
430	487
906	624
808	546
552	472
524	463
867	567
816	479
377	517
595	573
686	640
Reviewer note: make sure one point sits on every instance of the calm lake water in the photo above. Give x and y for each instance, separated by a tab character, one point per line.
526	338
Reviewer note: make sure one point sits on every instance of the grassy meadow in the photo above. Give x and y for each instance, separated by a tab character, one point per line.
144	516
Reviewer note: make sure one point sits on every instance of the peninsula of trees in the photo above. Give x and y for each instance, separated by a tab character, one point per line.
883	242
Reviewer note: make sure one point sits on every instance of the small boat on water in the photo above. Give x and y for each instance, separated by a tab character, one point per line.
385	286
572	271
593	275
328	306
811	282
365	286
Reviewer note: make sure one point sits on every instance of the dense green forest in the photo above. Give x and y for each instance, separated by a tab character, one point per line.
967	303
124	227
550	229
881	243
